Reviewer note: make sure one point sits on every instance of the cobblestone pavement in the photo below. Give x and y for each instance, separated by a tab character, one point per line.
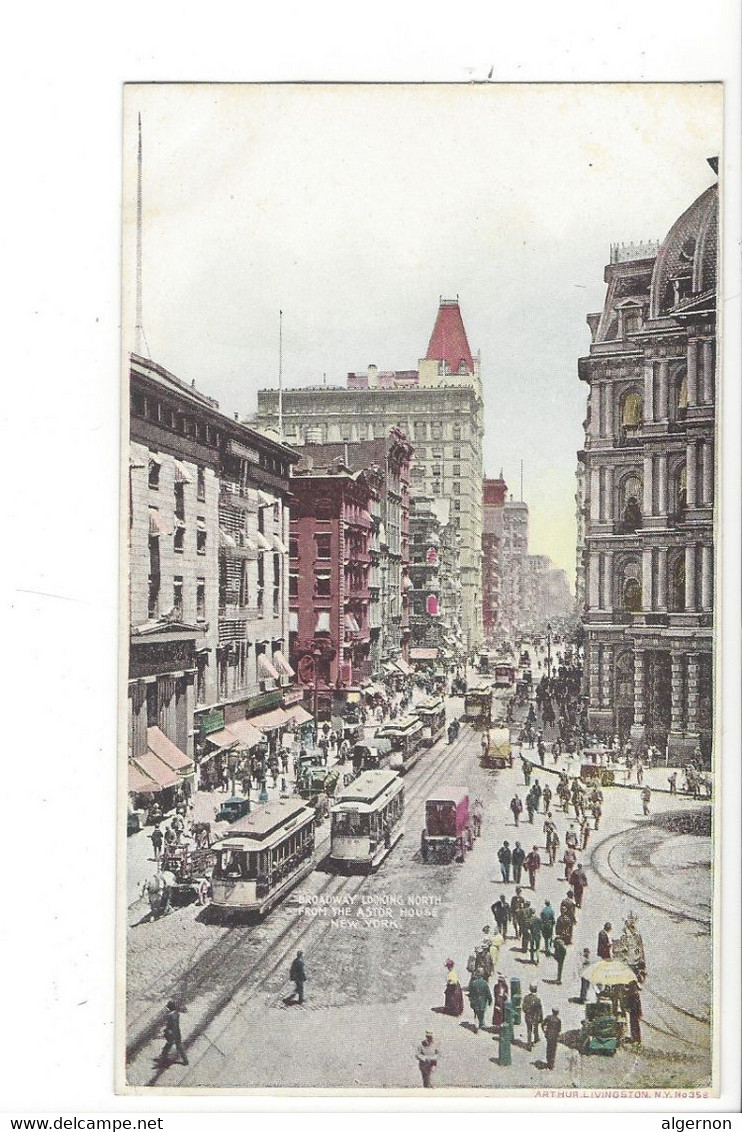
375	960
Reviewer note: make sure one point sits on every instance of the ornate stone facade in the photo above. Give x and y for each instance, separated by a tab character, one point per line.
649	490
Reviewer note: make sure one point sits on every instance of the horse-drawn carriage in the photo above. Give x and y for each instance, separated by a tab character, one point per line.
190	864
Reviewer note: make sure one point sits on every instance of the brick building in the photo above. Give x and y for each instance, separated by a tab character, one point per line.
208	592
494	494
649	495
439	406
390	542
330	594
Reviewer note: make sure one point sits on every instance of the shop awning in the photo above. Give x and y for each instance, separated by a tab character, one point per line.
351	624
375	690
403	666
265	500
139	783
165	749
266	669
262	541
270	720
280	662
299	714
157	525
226	540
155	769
223	739
181	474
246	733
423	654
278	545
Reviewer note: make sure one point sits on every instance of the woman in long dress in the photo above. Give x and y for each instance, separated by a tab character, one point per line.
454	996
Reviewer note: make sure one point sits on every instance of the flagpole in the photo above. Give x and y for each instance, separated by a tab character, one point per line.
280	374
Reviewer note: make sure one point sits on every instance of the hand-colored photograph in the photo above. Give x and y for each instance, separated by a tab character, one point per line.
418	725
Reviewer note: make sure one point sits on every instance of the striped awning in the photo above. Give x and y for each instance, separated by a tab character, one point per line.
282	664
270	720
265	668
157	525
181	473
155	769
165	749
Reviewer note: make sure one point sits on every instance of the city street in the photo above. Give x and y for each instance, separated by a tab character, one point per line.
375	949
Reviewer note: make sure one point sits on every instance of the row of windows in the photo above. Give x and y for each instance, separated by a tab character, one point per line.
157	600
178	487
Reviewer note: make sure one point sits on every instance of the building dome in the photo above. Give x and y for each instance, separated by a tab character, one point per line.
685	267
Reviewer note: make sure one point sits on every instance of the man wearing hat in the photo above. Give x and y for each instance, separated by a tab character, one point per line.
552	1027
427	1056
172	1035
533	1012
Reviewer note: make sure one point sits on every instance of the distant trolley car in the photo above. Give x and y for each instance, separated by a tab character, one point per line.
504	675
478	706
447	835
498	754
432	715
261	857
366	820
371	754
408	741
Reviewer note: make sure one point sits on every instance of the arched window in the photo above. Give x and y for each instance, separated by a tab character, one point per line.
631	496
632	412
681	392
632	588
677	586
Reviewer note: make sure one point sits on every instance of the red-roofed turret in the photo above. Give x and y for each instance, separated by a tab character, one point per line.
448	342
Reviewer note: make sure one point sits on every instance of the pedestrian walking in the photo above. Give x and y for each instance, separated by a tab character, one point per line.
547	796
569	860
584	832
527	771
582	966
501	913
646	799
605	944
500	998
530	805
533	1015
597	813
298	976
428	1056
516	808
534	939
633	1005
536	791
673	780
541	748
518	857
156	839
578	882
553	847
517	904
505	856
454	996
571	837
532	865
480	997
548	920
560	954
173	1039
477	812
552	1027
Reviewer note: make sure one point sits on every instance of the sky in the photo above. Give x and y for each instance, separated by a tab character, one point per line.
353	208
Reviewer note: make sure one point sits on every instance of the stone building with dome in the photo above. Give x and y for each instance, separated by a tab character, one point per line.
649	459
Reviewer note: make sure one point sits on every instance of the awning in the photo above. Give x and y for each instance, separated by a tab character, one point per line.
299	715
223	739
282	664
165	749
403	666
351	624
200	524
423	654
226	540
278	545
246	733
270	720
323	623
265	500
265	668
154	458
139	783
157	525
262	541
154	768
181	475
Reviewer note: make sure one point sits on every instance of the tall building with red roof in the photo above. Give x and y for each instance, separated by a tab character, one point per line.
439	406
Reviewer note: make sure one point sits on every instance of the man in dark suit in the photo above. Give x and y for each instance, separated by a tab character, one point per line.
605	946
298	975
173	1039
504	856
552	1028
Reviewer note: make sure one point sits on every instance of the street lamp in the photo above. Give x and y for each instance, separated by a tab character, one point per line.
548	649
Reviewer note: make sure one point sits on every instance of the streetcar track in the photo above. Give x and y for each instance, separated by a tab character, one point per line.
218	956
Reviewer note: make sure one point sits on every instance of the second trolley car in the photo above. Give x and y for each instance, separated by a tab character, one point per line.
261	857
408	741
366	820
432	715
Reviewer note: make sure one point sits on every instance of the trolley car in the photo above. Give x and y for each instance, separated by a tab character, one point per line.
504	675
366	820
478	705
408	741
262	856
371	754
498	754
432	715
